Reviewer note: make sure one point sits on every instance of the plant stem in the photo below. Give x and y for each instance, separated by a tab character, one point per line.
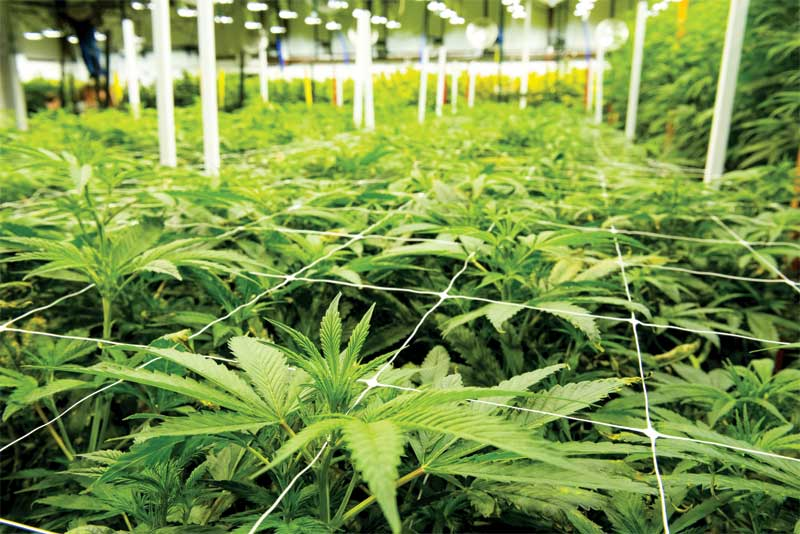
95	433
106	317
348	492
263	459
323	484
56	437
287	428
419	471
127	521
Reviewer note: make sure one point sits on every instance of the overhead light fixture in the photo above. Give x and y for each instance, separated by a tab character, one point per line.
337	4
584	8
313	19
223	1
287	14
458	21
358	12
252	25
100	36
138	6
447	13
257	6
32	36
50	33
392	25
187	12
378	19
223	19
72	39
436	6
277	29
333	26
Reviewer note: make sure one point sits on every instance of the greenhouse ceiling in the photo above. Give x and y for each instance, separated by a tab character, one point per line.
38	29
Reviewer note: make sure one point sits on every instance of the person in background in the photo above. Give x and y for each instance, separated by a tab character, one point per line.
52	102
84	19
88	98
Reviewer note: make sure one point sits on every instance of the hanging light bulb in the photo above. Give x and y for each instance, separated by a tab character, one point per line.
378	19
252	25
287	14
277	29
257	6
333	26
313	19
50	33
32	36
392	25
187	12
436	6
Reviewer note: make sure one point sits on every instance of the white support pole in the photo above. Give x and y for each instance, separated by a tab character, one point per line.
12	94
208	85
726	90
339	88
636	70
365	29
423	85
263	61
441	78
600	65
358	73
471	85
165	103
590	84
526	36
131	70
454	89
20	106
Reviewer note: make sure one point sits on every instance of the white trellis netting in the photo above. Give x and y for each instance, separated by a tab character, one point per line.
449	293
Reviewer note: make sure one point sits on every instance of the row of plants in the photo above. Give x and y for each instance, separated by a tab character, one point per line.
397	88
679	83
255	310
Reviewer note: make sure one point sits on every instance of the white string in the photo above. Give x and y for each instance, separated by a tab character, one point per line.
21	526
727	446
522	409
708	273
521	305
649	431
46	307
290	278
594	422
99	341
764	261
371	383
288	488
283	229
705	240
238	308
